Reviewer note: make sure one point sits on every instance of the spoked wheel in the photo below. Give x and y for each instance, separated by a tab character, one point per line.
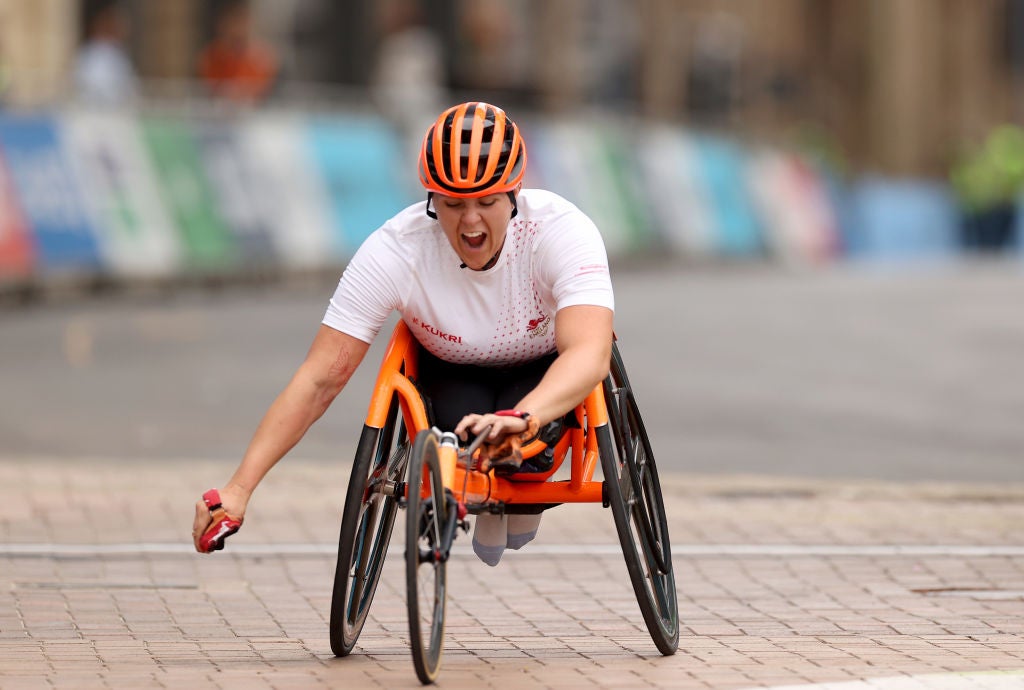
634	492
426	556
371	503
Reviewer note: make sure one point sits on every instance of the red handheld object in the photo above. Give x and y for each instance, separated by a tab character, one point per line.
221	527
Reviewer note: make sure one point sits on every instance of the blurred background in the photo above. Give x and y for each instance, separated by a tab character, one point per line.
752	158
152	139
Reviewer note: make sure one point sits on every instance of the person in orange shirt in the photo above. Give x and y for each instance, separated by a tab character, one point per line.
235	65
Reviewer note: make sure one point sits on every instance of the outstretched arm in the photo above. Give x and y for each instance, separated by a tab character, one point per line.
583	335
329	364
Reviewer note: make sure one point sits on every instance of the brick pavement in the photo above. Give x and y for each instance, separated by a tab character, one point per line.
839	605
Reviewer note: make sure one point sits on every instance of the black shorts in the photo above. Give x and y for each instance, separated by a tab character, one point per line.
455	390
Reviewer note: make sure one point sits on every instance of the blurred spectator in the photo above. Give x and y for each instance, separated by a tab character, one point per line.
610	42
103	72
235	65
487	46
408	76
713	79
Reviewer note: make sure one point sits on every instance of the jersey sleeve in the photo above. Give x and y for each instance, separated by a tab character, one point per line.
573	263
369	289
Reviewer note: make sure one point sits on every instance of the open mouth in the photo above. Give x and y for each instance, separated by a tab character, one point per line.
475	240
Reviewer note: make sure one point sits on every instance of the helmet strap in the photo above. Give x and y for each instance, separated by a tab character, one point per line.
515	205
430	213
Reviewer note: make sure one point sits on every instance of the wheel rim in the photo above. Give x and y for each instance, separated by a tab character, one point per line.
426	575
657	564
430	581
364	545
378	510
639	484
635	497
660	582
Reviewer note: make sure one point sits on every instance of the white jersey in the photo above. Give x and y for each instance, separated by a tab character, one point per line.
553	257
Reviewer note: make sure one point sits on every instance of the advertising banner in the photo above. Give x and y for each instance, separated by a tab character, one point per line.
292	197
800	225
362	161
17	251
48	195
136	233
668	170
234	185
618	158
185	189
899	220
575	162
722	169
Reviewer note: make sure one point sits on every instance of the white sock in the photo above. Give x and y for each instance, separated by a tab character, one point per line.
490	537
522	529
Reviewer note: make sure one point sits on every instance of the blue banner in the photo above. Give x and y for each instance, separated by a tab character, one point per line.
48	194
362	161
722	169
903	219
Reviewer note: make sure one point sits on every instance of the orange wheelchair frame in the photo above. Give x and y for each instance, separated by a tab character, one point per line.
443	484
397	374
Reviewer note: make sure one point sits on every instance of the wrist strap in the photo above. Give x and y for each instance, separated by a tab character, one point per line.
532	425
513	413
212	499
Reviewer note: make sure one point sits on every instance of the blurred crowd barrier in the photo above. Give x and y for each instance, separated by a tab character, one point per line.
159	196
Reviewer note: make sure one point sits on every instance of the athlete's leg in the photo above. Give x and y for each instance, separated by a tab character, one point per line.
455	390
515	382
521	530
489	537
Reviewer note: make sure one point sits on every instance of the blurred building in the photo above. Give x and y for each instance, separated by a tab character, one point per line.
895	86
898	84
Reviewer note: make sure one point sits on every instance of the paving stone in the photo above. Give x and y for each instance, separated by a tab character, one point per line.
546	617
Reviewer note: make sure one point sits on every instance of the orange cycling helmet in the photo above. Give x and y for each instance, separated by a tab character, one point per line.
473	149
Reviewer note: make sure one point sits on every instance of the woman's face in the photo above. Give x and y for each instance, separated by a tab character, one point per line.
474	227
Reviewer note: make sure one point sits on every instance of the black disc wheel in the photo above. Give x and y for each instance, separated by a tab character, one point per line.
426	556
371	503
634	493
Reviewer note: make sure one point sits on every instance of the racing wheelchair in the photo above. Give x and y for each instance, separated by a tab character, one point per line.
401	463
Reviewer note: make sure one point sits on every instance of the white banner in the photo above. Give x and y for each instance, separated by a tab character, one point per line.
293	195
679	202
137	236
568	159
791	199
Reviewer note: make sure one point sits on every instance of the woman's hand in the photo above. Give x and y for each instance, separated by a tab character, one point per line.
330	362
501	425
509	430
233	501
